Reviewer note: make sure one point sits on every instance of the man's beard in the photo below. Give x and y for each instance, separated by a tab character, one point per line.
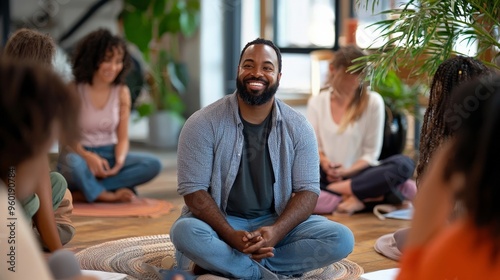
251	98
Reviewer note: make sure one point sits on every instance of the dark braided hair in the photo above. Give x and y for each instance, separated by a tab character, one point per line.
435	129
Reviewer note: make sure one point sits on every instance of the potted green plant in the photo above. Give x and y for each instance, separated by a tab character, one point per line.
157	27
400	99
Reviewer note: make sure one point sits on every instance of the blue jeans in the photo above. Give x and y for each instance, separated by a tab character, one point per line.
316	242
137	169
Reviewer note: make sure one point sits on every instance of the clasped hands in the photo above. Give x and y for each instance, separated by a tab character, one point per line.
100	167
334	171
258	244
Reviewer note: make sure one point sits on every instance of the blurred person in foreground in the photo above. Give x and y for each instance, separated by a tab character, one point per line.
436	129
464	169
36	109
51	205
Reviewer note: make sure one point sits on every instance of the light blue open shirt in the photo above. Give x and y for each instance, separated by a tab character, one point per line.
211	143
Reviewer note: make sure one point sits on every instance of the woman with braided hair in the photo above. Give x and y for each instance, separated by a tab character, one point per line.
436	128
464	168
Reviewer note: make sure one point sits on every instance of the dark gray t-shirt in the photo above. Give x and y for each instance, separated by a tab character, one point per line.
252	193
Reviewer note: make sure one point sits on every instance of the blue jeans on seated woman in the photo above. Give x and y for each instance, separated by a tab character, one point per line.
317	242
137	169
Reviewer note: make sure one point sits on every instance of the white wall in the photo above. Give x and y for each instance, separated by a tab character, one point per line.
62	14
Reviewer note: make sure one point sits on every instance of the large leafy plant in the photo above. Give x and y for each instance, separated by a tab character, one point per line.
420	35
156	27
399	96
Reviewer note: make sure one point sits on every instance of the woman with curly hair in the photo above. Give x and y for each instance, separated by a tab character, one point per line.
436	126
100	167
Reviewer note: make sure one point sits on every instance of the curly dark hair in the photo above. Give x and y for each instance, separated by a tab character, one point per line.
27	44
261	41
32	99
91	51
475	151
435	129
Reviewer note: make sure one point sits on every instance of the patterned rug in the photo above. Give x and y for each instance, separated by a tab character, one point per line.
139	207
129	255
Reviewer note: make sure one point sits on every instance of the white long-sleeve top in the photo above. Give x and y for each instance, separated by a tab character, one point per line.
361	139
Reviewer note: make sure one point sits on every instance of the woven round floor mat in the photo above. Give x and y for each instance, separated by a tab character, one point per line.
128	256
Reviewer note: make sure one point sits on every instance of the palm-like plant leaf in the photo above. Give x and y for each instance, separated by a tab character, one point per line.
421	35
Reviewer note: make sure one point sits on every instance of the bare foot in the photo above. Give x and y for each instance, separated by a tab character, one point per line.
120	195
350	205
125	195
178	277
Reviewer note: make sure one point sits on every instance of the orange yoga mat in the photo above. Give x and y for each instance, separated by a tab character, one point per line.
139	207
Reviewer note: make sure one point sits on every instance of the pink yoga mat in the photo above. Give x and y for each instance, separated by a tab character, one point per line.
139	207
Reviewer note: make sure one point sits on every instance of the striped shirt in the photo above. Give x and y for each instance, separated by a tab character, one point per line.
211	143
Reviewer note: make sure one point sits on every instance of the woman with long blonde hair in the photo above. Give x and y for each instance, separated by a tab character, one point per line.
349	123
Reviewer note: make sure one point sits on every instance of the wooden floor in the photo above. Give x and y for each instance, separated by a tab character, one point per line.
91	231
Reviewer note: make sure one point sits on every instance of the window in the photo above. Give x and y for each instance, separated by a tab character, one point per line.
250	21
304	24
366	35
297	27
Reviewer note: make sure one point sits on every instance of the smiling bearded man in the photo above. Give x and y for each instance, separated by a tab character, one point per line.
252	97
239	161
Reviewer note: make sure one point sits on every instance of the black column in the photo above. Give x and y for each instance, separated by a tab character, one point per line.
338	23
232	42
5	17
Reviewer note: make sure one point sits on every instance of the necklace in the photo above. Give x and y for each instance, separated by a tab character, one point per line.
335	95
